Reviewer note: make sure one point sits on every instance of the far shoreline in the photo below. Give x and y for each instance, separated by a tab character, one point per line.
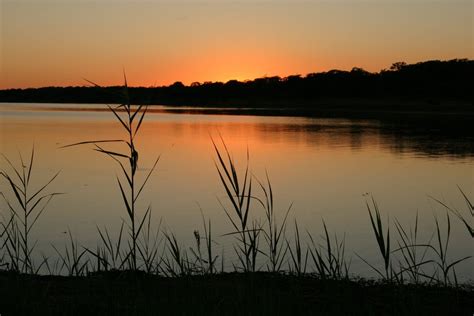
357	108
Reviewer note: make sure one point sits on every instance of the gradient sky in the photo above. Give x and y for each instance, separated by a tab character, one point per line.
60	42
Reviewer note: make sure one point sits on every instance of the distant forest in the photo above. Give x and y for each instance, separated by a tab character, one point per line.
430	83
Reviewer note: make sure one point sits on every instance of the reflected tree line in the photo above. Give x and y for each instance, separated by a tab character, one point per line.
430	138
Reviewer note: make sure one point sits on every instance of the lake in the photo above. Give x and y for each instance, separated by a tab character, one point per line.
323	166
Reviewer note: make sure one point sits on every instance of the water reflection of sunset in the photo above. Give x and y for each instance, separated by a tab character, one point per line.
322	165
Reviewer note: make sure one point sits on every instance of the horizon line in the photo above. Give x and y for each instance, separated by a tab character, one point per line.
245	80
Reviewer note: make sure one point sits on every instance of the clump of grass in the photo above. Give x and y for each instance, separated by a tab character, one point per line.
11	258
383	241
211	258
72	258
206	264
441	248
109	254
274	234
441	251
329	260
464	219
130	190
239	193
179	263
3	263
411	262
297	265
52	269
30	204
148	247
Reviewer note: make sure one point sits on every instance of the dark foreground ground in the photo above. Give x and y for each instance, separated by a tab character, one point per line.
224	294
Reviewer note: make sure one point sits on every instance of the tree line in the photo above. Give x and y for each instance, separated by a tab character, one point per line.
429	81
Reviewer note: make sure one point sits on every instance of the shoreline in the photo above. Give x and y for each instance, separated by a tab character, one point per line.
338	108
122	293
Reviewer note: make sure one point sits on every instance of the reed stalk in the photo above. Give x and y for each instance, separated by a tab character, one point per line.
130	189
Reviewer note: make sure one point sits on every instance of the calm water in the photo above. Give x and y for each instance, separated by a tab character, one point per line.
321	165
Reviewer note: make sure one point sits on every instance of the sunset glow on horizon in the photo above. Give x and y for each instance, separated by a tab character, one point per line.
58	43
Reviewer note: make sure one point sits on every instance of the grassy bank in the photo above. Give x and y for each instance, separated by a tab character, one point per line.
122	293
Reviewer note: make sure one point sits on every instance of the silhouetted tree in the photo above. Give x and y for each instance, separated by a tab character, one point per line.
430	81
398	65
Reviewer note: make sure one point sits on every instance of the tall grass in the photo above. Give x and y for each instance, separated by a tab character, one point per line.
274	234
177	262
412	261
441	251
3	254
130	119
330	258
206	263
108	254
442	246
382	239
158	251
149	247
201	259
29	204
297	265
72	259
468	223
239	194
11	257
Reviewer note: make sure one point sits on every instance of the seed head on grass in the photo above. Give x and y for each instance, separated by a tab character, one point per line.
127	160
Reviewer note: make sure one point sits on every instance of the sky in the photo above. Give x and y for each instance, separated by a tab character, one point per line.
158	42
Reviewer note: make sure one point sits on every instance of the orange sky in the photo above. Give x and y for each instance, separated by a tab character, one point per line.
60	42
